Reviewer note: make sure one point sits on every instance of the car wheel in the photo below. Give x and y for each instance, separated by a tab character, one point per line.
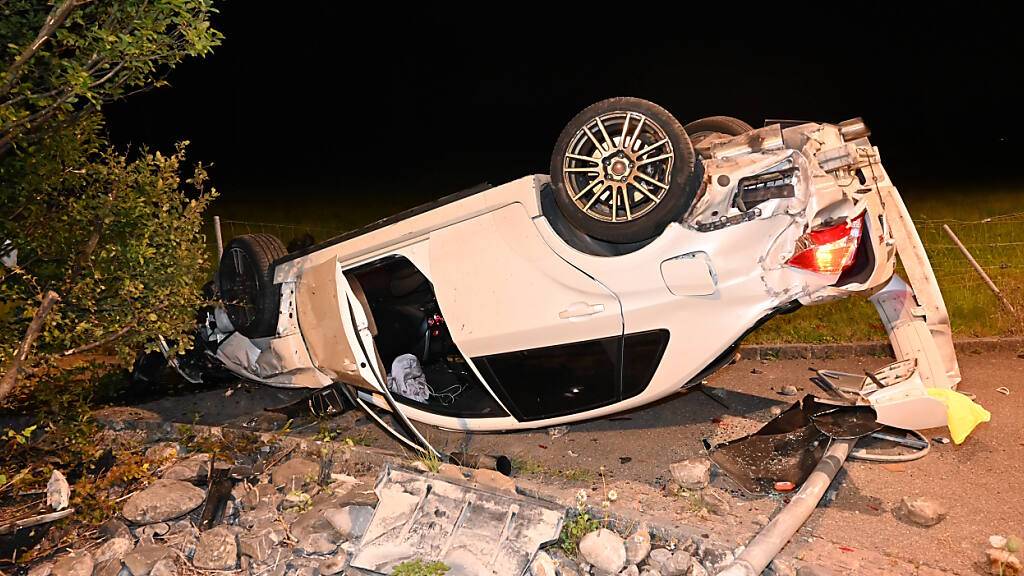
246	278
726	125
622	170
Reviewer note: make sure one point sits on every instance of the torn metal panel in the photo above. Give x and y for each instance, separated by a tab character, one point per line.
789	446
472	530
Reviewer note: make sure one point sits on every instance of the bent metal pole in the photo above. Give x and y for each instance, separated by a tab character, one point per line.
773	537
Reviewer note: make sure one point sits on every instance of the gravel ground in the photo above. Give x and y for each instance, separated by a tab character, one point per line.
980	482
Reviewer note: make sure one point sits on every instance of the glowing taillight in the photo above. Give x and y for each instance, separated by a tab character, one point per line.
829	250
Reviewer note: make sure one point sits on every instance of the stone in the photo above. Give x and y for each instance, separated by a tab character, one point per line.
789	390
450	471
775	411
493	479
162	500
351	521
542	565
714	558
921	510
254	496
115	548
676	565
217	550
80	564
697	570
716	501
144	557
163	452
295	473
114	528
781	568
334	565
44	569
604	550
318	544
761	520
648	571
566	566
657	557
692	474
165	567
1003	562
630	570
813	570
190	469
638	546
258	546
151	531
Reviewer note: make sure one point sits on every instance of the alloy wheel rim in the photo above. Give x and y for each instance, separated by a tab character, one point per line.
618	166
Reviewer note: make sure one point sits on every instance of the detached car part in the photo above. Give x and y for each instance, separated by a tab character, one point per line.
631	272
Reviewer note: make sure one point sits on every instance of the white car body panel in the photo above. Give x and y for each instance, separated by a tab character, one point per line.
507	281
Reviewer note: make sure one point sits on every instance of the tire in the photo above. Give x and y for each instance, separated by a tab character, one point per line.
246	280
621	158
717	125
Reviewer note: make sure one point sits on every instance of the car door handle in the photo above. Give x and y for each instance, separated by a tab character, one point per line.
577	309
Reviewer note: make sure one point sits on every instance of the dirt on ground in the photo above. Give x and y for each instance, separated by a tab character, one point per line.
980	482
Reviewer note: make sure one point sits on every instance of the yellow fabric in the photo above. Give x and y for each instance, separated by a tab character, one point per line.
962	413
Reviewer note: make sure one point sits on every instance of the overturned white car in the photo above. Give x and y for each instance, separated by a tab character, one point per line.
633	271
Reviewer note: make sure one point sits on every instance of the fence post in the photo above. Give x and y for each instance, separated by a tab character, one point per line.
977	268
220	239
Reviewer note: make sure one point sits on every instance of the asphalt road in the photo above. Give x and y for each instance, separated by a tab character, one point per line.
980	482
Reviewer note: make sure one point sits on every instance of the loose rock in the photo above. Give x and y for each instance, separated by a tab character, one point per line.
715	558
258	546
1003	562
164	567
351	521
677	565
921	510
542	565
657	557
163	451
115	548
493	479
334	565
780	568
630	570
144	558
638	546
44	569
604	549
295	473
692	474
318	544
217	550
80	564
114	528
162	500
716	501
789	391
190	469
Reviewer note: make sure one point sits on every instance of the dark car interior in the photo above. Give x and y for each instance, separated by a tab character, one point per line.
409	321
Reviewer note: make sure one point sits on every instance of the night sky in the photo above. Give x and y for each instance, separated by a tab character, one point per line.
325	102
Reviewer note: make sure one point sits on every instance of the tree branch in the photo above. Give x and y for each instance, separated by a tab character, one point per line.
55	20
10	378
102	341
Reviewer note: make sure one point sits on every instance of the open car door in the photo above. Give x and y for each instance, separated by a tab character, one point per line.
337	327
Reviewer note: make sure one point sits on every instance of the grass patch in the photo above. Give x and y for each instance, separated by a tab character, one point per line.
524	466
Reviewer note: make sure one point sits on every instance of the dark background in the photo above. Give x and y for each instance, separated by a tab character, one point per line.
328	101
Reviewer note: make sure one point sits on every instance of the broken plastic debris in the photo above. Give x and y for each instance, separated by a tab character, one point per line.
558	431
784	486
962	413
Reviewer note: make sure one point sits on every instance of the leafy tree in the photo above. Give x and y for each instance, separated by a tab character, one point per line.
103	250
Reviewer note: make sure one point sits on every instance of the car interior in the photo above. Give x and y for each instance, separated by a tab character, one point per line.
409	321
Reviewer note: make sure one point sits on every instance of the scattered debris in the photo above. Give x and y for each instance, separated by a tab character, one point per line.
692	474
941	440
921	510
1003	390
558	431
58	493
789	390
